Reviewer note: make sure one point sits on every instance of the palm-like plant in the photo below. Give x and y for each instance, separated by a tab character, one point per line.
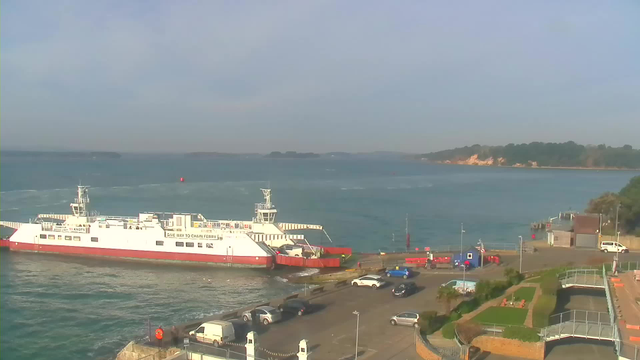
446	295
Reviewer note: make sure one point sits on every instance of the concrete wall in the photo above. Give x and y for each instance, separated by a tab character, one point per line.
510	347
632	242
135	351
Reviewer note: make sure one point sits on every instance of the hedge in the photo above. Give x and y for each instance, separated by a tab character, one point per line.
543	309
449	331
521	333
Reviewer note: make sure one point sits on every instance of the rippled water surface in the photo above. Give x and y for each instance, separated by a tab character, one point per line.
59	307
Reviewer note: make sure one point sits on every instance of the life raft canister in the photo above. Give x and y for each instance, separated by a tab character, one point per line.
159	333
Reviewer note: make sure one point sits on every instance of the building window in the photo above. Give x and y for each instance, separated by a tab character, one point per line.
94	239
179	244
189	244
76	238
470	256
43	236
52	237
159	242
200	245
67	237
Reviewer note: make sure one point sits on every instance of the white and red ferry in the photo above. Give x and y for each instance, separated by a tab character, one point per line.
179	237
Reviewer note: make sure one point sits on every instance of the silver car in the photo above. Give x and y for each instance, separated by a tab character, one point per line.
407	318
264	314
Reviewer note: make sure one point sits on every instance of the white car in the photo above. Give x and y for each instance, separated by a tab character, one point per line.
374	281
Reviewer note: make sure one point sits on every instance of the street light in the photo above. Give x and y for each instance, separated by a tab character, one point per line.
357	314
481	253
461	234
520	253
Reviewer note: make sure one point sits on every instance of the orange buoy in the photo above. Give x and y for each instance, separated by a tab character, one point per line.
181	179
159	333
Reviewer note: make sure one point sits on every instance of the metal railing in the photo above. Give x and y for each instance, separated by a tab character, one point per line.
612	312
581	316
587	277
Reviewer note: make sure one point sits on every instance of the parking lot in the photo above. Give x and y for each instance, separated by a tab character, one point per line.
331	330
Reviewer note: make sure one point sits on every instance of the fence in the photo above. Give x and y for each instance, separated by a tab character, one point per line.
581	316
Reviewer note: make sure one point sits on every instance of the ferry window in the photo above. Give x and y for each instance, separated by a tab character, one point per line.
199	244
209	246
94	239
52	237
159	242
67	237
189	244
43	236
59	237
76	238
179	244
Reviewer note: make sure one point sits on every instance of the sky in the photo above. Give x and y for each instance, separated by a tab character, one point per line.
262	76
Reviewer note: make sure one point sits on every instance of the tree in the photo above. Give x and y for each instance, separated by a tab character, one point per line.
605	204
447	295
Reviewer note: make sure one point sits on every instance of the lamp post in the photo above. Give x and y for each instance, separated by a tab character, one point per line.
617	209
461	235
481	253
357	314
520	254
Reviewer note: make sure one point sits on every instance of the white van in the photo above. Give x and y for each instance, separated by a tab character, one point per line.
461	286
613	246
215	332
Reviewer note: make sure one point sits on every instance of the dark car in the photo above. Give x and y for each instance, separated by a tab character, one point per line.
295	306
405	289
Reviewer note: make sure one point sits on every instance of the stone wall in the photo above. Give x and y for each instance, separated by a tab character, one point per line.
135	351
632	242
424	350
510	347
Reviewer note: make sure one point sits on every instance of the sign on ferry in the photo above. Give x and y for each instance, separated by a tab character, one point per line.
191	236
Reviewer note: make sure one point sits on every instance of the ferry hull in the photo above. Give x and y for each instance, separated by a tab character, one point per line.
265	262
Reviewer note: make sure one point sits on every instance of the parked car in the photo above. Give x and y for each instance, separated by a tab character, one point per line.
265	315
407	318
215	332
405	289
462	286
295	306
374	281
403	272
613	246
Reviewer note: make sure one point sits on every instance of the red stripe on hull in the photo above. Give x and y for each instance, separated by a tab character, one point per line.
4	243
248	261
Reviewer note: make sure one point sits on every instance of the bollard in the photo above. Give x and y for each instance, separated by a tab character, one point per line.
303	350
251	345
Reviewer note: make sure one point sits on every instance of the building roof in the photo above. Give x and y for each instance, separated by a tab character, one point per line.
586	224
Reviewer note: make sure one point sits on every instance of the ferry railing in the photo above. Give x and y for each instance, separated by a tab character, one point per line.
612	312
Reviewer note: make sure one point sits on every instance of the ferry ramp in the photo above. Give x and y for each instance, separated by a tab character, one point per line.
581	324
585	278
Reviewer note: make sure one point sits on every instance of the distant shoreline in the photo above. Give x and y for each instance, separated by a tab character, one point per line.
533	168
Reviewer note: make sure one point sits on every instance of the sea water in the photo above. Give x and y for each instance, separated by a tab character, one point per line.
61	307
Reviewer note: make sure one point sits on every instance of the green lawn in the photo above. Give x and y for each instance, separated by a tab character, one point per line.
502	316
525	293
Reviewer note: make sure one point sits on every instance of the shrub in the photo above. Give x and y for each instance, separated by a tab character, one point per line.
455	316
513	276
449	331
430	321
468	331
549	284
543	309
468	306
521	333
483	291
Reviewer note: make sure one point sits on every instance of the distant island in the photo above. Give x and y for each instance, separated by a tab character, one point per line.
291	155
540	155
62	154
204	154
